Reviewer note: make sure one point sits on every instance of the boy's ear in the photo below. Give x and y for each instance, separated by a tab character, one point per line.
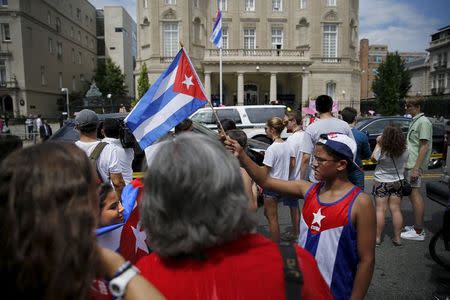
342	165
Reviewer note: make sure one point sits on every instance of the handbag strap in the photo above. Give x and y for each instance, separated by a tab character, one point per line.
401	183
293	279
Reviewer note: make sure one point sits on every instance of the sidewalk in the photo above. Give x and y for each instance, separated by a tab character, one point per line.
20	130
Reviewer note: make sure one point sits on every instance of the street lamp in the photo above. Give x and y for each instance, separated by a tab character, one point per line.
66	90
110	102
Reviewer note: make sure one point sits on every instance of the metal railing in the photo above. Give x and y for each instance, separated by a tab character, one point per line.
257	52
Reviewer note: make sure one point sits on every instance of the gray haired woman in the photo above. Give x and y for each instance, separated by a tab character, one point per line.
196	215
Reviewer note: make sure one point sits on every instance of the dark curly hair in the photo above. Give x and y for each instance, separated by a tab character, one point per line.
48	208
393	142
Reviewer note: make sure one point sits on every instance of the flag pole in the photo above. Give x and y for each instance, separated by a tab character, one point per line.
220	79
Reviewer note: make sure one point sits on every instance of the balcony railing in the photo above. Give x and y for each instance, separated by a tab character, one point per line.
331	60
8	84
440	41
166	59
257	53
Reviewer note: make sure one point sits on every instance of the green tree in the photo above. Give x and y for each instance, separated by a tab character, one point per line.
143	83
110	79
391	84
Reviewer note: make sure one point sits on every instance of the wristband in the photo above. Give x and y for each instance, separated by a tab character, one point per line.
123	267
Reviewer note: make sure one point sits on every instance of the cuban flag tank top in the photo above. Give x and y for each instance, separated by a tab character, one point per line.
326	231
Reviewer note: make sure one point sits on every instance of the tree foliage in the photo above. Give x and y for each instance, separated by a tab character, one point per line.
110	79
391	84
143	83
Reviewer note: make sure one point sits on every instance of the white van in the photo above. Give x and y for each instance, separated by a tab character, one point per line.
250	118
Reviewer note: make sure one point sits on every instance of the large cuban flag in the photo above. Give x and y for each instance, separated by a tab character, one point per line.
176	95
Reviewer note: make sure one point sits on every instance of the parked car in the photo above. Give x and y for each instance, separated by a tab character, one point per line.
374	127
250	118
68	133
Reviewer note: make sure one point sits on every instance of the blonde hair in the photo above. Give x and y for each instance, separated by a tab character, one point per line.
415	101
277	124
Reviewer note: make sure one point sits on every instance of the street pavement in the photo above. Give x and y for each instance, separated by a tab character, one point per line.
406	272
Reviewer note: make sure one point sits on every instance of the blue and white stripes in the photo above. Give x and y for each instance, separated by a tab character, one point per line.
216	35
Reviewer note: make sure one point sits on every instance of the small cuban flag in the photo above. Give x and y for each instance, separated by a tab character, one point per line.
216	35
176	95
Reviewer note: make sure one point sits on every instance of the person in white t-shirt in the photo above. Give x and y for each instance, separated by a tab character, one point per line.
108	164
294	125
277	163
111	131
326	124
391	155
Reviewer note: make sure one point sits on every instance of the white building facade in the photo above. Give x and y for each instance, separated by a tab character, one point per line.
117	40
289	51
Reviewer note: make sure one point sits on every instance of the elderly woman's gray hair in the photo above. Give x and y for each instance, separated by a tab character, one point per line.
194	197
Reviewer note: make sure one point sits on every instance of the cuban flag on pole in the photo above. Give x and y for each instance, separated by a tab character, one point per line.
176	95
216	35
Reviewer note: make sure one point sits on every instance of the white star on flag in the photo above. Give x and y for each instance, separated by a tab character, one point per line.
188	81
318	217
141	236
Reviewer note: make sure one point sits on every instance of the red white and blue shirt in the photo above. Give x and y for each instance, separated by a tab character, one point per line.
327	232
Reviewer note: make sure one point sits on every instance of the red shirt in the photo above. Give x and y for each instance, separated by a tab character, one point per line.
248	268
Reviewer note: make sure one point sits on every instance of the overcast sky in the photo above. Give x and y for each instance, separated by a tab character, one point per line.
404	25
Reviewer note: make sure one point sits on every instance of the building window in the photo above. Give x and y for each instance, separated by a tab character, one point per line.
49	18
74	83
303	4
329	40
58	25
223	5
6	35
195	3
86	19
50	45
145	3
170	2
60	50
331	2
73	55
378	59
277	5
249	38
331	89
80	60
79	36
118	29
78	14
277	38
225	37
87	41
60	80
249	5
43	79
170	34
3	2
71	32
92	43
441	81
2	72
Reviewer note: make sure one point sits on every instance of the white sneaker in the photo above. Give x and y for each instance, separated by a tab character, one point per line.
413	235
408	228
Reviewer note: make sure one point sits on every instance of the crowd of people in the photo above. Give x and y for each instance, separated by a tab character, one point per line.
198	210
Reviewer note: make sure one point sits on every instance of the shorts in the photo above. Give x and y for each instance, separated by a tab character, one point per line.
414	184
290	201
386	189
271	194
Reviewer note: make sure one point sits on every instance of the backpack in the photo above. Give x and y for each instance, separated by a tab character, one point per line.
95	154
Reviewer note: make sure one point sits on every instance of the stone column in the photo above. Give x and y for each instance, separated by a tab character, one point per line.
305	88
273	87
208	84
240	89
